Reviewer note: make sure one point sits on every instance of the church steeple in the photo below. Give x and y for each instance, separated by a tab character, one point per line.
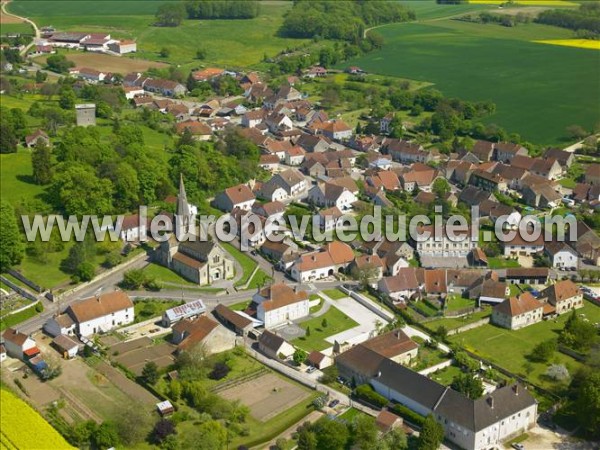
183	215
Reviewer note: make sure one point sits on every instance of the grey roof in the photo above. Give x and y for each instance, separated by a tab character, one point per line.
271	340
189	309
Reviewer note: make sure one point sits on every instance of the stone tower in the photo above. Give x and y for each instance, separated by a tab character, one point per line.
86	114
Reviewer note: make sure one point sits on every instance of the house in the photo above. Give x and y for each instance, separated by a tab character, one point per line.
564	158
316	71
334	257
506	151
38	136
187	333
402	286
294	156
66	345
519	246
168	88
587	243
548	168
489	290
535	275
253	118
185	311
518	312
131	92
336	129
207	74
270	209
421	179
313	144
133	229
274	346
562	256
330	218
123	46
384	123
563	295
445	242
369	266
292	181
488	181
541	195
90	75
394	345
19	345
272	192
278	121
384	178
318	360
199	130
268	162
279	303
483	150
329	195
387	421
592	174
239	196
240	324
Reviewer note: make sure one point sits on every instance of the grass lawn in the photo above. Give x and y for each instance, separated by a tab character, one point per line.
350	414
47	273
334	294
147	308
456	302
259	279
425	309
445	376
451	323
16	179
166	275
510	348
316	308
241	306
16	318
337	322
541	75
247	263
501	263
428	357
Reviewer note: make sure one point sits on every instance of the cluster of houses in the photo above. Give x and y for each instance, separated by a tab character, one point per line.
92	42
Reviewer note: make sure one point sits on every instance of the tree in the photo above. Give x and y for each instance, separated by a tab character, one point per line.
468	385
150	372
85	271
67	98
175	389
201	53
165	52
105	436
42	163
162	429
576	132
324	322
543	351
299	356
170	14
331	434
441	332
40	76
432	434
307	439
440	187
11	245
365	432
588	404
578	334
59	63
209	435
133	279
133	424
395	439
8	138
220	371
557	372
78	191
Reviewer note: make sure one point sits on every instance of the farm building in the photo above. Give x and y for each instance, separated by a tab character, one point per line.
19	345
123	46
66	345
232	319
202	330
186	311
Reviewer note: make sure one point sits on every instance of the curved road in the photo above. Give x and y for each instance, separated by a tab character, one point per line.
24	19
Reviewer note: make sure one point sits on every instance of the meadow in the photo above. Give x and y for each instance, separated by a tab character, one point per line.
531	84
231	43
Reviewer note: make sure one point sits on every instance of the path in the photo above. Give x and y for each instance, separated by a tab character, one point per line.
24	19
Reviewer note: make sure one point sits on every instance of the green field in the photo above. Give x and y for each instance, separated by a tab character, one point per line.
247	263
337	322
532	84
509	348
232	43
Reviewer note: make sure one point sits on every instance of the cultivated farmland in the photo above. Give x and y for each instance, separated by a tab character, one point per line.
107	63
22	427
526	80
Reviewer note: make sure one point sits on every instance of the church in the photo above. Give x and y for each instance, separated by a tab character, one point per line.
202	262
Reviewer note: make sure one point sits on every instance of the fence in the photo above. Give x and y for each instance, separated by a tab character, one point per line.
18	289
19	276
469	326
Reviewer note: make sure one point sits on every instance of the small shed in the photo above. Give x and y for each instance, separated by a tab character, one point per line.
165	408
186	311
66	345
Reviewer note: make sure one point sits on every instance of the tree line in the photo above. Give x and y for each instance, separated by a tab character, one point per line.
585	19
222	9
344	20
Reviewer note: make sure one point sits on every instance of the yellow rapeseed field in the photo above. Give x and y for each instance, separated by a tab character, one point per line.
526	2
22	428
579	43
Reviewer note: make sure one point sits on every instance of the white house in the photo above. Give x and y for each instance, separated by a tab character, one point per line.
101	313
518	246
272	192
279	303
239	196
329	194
442	244
292	181
329	218
562	256
518	312
313	266
19	345
131	228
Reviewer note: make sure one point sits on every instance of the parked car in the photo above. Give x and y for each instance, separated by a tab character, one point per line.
311	369
333	403
518	446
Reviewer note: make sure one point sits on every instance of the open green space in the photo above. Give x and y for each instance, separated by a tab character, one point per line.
509	348
259	280
450	323
17	28
145	309
446	375
14	319
334	294
16	179
337	322
502	263
166	275
479	62
247	263
232	43
350	414
456	302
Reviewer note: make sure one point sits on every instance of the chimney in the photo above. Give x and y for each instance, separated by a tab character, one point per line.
490	401
516	388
